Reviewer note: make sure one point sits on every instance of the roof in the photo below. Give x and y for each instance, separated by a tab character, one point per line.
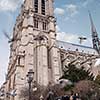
76	47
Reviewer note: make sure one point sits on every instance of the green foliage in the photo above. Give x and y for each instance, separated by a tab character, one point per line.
97	80
75	74
68	87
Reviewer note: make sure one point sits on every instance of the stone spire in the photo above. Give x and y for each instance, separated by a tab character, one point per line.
95	38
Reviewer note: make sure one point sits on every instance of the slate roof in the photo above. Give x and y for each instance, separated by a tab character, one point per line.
76	47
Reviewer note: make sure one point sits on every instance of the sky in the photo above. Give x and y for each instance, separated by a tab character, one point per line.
72	22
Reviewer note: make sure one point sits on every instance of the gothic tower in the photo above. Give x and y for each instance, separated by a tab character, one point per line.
33	46
95	38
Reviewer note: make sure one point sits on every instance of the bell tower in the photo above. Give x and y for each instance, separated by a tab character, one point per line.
38	34
42	12
34	46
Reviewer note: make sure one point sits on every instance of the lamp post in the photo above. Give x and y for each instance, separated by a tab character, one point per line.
30	79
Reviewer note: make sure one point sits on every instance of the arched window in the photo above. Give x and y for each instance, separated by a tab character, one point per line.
36	6
35	23
44	25
43	7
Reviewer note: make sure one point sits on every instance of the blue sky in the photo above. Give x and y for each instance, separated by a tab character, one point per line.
72	22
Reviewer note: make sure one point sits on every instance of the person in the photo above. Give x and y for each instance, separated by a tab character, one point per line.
75	96
50	95
67	97
63	98
71	97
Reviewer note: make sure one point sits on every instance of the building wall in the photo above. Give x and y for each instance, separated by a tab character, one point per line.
80	59
35	48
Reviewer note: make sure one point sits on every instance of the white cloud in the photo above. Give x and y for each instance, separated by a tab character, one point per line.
71	37
67	37
9	5
2	73
68	10
57	28
4	56
59	11
72	9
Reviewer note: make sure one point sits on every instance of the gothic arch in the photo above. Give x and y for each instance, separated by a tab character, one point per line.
44	35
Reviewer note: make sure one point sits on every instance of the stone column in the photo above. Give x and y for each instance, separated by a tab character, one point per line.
54	63
39	6
42	65
19	81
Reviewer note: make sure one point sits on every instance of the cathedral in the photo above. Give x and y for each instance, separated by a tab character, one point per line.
34	47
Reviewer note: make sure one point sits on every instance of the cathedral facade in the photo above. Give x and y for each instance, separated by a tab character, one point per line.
34	46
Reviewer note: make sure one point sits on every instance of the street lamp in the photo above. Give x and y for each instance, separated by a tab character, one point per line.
30	79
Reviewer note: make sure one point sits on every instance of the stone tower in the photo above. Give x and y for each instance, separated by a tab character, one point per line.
33	46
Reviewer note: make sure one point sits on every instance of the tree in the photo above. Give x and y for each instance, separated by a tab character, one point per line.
75	74
87	90
35	95
97	80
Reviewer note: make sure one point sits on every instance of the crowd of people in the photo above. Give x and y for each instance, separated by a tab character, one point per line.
65	97
72	97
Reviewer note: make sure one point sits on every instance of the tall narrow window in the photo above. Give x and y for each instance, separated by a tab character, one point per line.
35	23
44	25
19	60
36	6
9	85
43	7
